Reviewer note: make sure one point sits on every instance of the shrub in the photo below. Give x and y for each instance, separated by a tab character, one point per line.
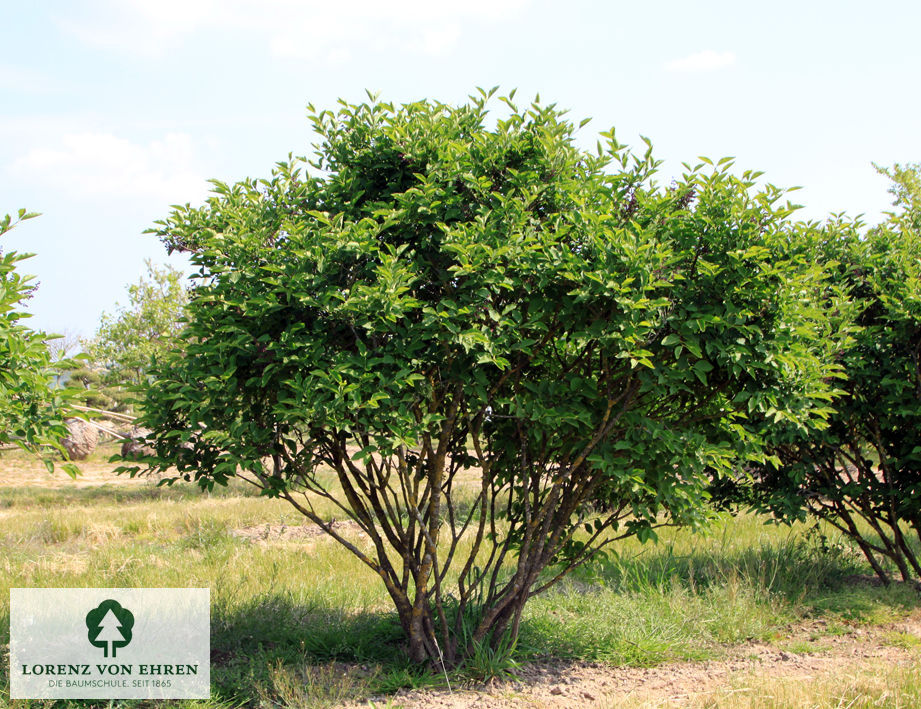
31	411
862	474
486	334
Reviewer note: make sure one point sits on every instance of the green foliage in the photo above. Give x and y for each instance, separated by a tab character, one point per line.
119	355
437	299
863	473
31	410
906	188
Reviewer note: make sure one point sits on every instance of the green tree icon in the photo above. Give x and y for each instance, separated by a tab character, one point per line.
109	626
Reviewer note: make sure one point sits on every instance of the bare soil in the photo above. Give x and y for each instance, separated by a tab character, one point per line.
17	469
558	685
269	533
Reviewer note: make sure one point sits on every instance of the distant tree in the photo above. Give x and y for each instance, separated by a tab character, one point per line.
32	411
91	388
63	346
119	355
862	474
462	336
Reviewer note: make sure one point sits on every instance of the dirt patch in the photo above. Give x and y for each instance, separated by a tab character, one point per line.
559	684
18	469
268	533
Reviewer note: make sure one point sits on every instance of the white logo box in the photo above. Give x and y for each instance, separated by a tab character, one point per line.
110	643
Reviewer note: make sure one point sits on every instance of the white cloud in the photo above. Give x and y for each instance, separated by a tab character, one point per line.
312	29
707	60
102	164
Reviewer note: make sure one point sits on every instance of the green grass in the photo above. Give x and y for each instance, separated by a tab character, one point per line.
306	624
740	580
803	647
903	640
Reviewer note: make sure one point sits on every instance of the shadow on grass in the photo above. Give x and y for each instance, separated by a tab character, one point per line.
252	641
274	650
805	570
793	567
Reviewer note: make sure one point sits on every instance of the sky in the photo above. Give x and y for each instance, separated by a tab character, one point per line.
113	110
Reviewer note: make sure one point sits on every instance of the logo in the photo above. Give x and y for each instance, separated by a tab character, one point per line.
109	626
109	643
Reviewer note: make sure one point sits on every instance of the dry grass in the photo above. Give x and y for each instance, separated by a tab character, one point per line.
859	686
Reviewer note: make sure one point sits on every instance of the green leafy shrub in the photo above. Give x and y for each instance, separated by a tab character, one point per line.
486	334
862	474
31	410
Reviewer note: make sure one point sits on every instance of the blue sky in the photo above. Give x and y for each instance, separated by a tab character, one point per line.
114	109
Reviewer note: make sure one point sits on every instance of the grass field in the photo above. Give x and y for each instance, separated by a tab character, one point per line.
296	621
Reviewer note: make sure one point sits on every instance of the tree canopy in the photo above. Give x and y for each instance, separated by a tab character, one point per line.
32	411
495	352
